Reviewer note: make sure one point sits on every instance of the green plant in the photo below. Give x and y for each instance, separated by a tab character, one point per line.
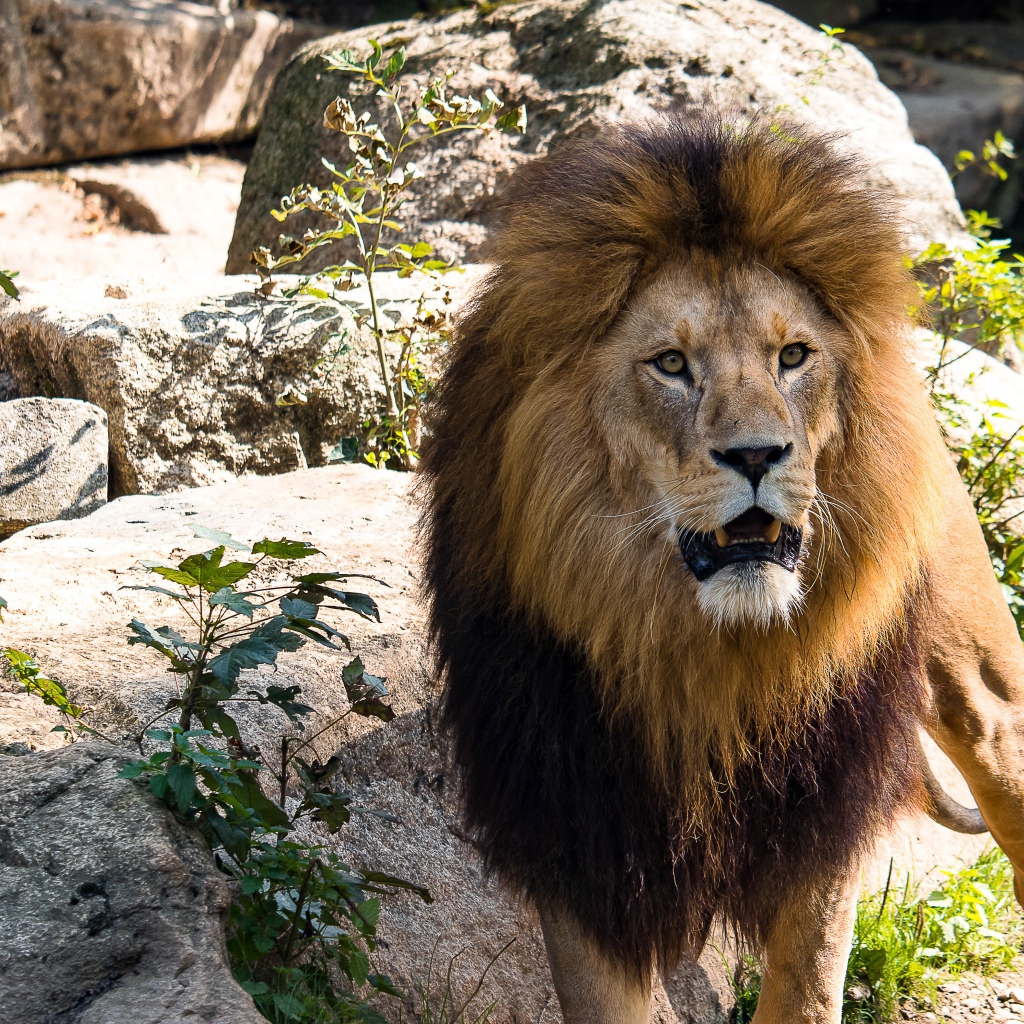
7	283
362	203
745	980
998	146
906	943
303	923
976	297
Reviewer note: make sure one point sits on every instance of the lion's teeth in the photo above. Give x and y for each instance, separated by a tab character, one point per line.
772	533
722	537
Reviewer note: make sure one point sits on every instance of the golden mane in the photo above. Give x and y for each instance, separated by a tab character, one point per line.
524	488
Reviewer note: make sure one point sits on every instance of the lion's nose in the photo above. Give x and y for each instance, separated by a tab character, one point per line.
753	463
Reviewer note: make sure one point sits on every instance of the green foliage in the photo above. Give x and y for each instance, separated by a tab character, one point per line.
906	943
998	146
976	296
746	989
362	203
26	670
302	926
7	283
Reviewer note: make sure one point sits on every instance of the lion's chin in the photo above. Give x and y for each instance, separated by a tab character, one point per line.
755	594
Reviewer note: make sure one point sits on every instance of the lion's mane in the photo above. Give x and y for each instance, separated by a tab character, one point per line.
617	755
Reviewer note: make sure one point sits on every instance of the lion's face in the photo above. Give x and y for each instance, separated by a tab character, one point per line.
726	386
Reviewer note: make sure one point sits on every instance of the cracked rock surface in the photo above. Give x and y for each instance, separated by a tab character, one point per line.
110	911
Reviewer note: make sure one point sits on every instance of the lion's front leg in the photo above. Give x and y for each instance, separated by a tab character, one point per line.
807	952
591	988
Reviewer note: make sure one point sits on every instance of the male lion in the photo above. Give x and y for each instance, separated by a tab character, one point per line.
700	564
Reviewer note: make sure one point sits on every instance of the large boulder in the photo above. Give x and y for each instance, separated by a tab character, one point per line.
53	461
111	912
190	371
577	64
87	78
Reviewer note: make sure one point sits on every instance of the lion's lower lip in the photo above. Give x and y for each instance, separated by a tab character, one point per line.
753	537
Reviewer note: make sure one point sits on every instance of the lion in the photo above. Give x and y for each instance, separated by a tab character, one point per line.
699	564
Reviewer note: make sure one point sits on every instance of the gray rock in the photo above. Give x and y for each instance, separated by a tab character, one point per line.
100	77
53	461
577	64
111	912
954	106
189	371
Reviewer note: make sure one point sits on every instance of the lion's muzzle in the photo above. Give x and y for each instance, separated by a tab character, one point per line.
754	536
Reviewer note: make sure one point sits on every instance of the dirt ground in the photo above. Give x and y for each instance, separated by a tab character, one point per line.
173	212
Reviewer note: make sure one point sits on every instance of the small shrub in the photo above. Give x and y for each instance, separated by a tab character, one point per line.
362	203
976	297
303	923
302	926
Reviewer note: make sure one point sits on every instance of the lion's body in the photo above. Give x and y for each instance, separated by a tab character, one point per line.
641	746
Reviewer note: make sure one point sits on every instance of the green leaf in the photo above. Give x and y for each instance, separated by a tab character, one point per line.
174	575
261	647
7	284
358	966
245	788
235	601
513	120
373	707
206	570
182	782
220	537
330	809
284	698
298	608
288	1005
285	548
395	63
251	884
235	840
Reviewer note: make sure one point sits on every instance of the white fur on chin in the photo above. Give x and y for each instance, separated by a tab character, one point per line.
757	594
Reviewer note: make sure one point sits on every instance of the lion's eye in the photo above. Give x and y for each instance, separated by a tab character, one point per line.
793	355
671	362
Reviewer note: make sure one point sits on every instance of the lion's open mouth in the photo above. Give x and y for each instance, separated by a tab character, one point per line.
755	536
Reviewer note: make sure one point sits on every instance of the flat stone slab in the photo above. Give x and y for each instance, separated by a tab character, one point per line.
53	461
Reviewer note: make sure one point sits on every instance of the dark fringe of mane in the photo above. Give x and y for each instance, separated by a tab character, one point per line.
565	808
